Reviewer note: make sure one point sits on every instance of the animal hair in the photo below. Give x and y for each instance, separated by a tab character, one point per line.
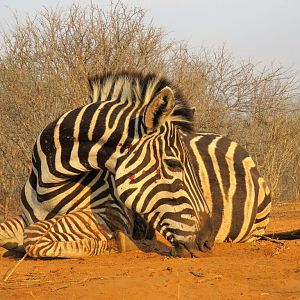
140	87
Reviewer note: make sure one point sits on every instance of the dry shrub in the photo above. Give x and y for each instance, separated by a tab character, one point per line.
46	59
257	106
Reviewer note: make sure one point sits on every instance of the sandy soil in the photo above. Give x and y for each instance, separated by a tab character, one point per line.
262	270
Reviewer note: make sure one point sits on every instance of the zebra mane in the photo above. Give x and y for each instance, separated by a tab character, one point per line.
140	87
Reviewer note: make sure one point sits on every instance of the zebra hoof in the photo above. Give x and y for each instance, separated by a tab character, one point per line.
12	251
124	243
185	253
187	250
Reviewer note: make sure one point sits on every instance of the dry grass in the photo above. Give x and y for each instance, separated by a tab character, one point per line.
45	62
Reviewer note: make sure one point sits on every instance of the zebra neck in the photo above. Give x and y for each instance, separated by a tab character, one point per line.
78	142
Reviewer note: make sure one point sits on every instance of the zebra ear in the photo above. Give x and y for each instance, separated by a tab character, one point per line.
159	108
193	110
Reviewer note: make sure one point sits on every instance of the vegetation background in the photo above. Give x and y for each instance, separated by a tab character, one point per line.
46	59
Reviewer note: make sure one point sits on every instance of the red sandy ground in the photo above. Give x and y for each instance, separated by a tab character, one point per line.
261	270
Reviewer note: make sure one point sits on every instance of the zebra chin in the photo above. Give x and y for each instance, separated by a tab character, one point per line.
202	241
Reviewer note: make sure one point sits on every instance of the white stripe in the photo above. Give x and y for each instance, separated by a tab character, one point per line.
45	175
250	197
227	199
170	208
202	173
39	211
74	158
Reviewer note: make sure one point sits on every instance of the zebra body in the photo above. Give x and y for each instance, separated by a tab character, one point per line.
237	196
130	113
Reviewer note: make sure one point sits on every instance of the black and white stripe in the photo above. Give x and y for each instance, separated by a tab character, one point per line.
75	155
237	196
156	180
133	145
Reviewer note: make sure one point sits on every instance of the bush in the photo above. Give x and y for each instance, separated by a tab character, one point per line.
45	62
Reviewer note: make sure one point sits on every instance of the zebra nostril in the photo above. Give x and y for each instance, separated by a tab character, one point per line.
205	246
208	244
205	237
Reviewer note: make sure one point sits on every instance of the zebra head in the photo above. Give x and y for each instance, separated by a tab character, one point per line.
153	170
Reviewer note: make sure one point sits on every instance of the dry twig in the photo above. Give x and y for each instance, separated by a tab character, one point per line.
12	270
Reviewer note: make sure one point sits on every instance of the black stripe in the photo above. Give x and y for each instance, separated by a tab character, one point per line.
67	139
238	200
170	202
262	219
264	203
88	178
27	206
218	206
221	149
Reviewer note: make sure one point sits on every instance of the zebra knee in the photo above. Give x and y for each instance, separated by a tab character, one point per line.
11	234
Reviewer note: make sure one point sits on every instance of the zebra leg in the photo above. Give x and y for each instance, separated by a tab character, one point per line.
74	235
11	234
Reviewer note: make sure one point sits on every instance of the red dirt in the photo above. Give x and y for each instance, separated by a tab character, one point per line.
261	270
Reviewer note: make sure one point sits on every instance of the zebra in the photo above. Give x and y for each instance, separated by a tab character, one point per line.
130	114
237	196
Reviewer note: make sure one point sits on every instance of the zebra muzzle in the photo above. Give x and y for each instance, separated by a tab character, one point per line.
203	242
205	236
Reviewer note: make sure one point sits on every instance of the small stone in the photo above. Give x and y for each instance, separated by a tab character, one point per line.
297	270
197	274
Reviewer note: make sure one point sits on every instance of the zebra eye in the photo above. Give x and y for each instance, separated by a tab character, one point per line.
174	164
